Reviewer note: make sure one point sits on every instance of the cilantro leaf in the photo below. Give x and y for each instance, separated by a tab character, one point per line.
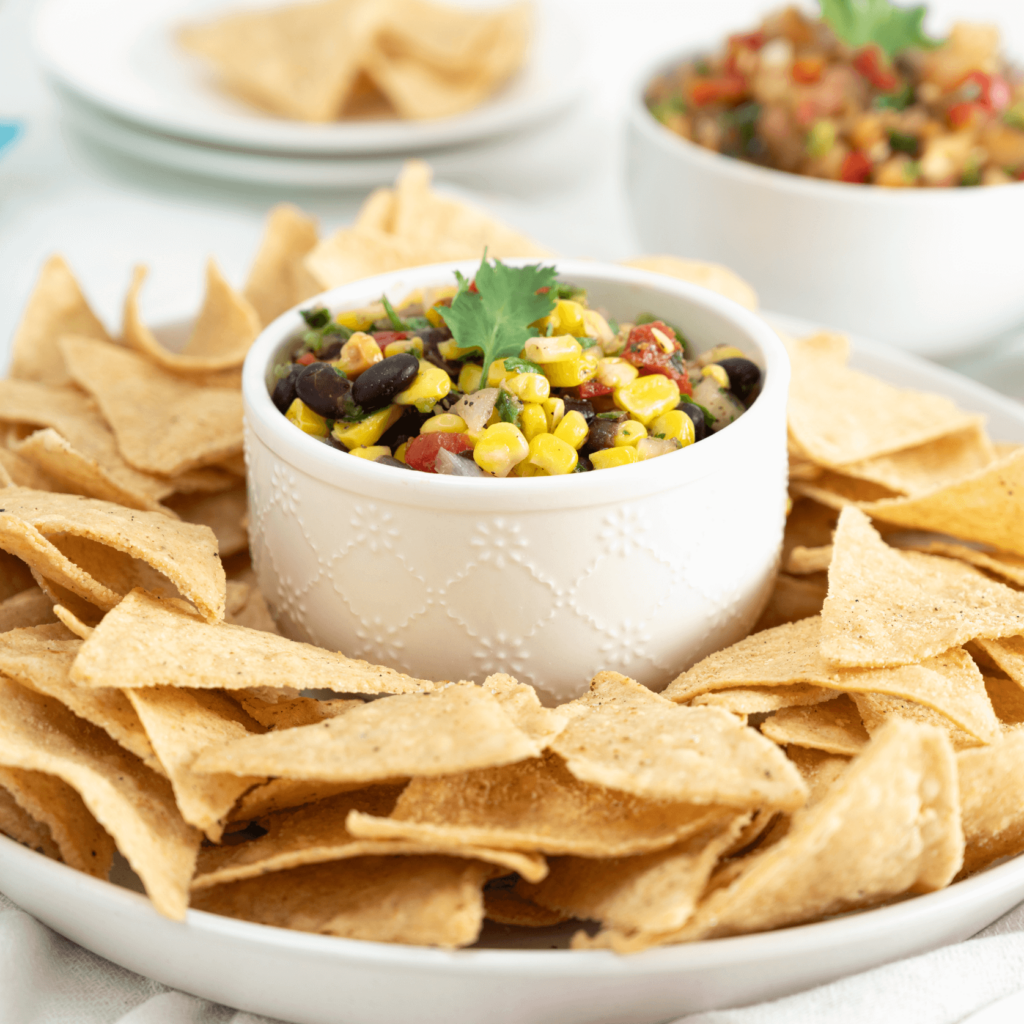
508	407
516	365
497	317
861	22
397	322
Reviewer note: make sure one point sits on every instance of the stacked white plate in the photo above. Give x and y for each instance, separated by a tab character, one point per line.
124	83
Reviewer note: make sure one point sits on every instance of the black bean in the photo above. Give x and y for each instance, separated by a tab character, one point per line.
700	428
432	335
581	405
375	387
387	460
406	427
330	351
324	391
744	376
602	434
431	339
450	399
284	390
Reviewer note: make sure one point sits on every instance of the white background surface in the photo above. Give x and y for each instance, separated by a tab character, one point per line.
58	194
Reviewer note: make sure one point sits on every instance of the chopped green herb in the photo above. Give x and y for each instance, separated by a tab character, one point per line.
570	291
281	370
613	325
353	412
708	418
660	437
317	317
515	364
609	415
418	323
397	322
339	371
586	342
1014	116
498	315
904	142
674	106
821	138
862	22
313	340
896	100
508	407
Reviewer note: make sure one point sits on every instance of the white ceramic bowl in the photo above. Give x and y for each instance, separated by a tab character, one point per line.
643	569
932	271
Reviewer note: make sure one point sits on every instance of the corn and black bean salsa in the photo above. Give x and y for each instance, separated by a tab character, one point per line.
512	374
860	96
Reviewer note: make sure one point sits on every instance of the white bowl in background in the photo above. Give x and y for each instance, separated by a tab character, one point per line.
643	569
932	271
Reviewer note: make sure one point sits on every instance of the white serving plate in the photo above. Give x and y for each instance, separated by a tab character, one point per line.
518	976
120	56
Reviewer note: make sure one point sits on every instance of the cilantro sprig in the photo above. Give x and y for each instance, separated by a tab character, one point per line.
496	317
862	22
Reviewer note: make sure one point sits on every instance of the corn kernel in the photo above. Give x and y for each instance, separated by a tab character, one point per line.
609	458
305	419
718	374
429	387
396	348
652	447
595	326
469	378
496	373
529	387
719	352
674	425
434	316
359	353
527	468
646	398
445	423
500	448
573	429
532	420
567	316
371	452
450	349
553	455
668	346
629	432
359	319
571	372
555	349
554	410
401	450
366	431
615	373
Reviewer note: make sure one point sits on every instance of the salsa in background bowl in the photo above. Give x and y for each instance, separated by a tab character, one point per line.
644	570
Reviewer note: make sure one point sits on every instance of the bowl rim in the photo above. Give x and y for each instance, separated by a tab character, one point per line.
732	445
741	171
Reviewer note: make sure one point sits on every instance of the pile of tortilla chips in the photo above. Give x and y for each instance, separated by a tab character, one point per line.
357	58
863	744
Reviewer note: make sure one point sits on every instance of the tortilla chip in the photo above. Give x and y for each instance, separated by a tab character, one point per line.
40	659
29	608
891	825
841	416
521	703
949	683
992	800
1010	567
163	424
299	61
1008	654
653	892
877	709
135	805
148	642
508	907
16	470
282	794
984	507
223	512
15	576
98	546
456	729
757	700
88	462
279	279
55	307
708	275
534	806
354	253
928	466
802	561
377	211
224	329
290	714
834	727
1007	700
246	607
888	607
72	622
17	824
836	491
791	600
424	901
627	738
81	841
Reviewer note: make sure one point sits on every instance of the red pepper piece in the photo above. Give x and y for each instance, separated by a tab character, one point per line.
807	70
423	449
644	351
591	389
962	114
306	358
729	89
384	338
872	63
746	40
991	91
856	168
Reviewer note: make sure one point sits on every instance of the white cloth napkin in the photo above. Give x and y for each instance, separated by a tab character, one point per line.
45	979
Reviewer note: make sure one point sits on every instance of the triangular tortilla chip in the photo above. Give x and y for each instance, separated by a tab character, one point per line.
148	642
279	279
521	703
627	738
225	328
282	794
756	700
836	491
55	307
840	416
984	507
224	512
878	709
535	805
83	843
708	275
992	800
135	805
456	729
111	549
17	824
1008	654
1010	567
792	599
803	561
18	471
889	607
1007	700
163	424
834	727
29	608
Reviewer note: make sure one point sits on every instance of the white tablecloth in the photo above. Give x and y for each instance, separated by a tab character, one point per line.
565	188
